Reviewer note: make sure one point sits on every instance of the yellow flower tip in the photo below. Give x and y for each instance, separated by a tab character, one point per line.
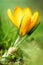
35	16
27	11
34	20
17	7
11	17
18	13
8	12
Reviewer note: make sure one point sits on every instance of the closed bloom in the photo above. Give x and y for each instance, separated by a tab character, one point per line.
24	19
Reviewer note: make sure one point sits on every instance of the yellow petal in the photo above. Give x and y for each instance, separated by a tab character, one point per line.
11	17
24	25
27	12
34	20
18	14
26	21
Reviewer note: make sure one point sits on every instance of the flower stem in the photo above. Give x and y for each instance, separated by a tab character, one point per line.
21	41
17	40
16	45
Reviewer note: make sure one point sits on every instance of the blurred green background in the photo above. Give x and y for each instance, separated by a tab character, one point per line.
33	46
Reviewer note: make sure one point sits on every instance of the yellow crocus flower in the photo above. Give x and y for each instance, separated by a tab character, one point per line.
23	17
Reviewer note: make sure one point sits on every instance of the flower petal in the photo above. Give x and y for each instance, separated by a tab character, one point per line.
34	20
24	25
18	14
27	12
26	21
11	17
